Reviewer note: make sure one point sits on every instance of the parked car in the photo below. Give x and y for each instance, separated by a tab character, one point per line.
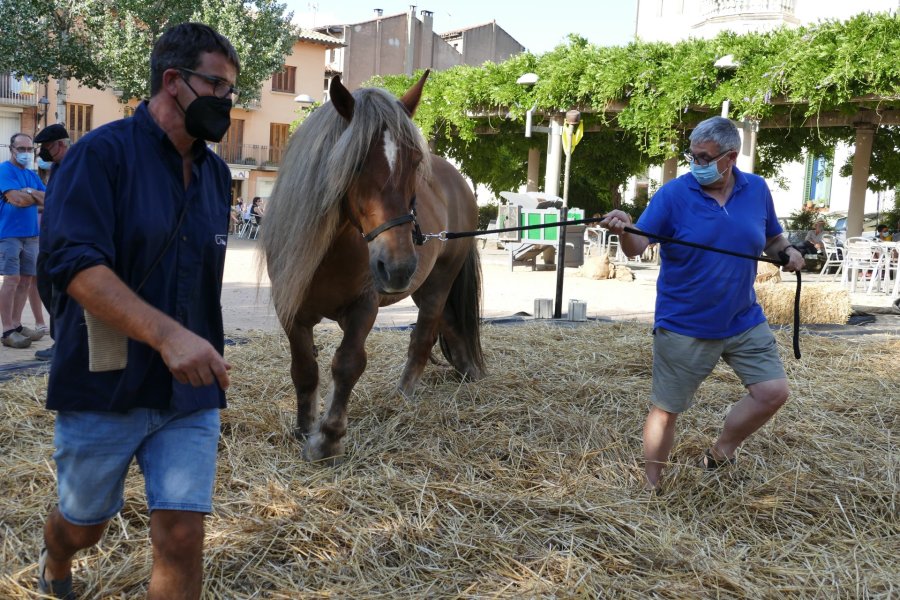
870	220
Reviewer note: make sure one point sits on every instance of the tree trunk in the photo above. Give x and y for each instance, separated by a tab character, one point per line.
615	196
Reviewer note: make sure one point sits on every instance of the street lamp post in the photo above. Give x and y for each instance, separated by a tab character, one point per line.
568	140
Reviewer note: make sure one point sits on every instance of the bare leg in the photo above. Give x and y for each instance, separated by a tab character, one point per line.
37	307
7	300
749	414
659	437
177	538
63	540
20	298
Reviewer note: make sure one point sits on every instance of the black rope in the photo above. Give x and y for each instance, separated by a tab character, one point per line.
780	261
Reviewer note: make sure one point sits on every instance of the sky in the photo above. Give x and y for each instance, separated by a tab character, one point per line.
537	25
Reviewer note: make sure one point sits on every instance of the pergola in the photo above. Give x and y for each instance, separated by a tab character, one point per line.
865	115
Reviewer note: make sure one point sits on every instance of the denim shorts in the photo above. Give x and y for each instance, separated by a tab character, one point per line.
681	363
18	256
176	452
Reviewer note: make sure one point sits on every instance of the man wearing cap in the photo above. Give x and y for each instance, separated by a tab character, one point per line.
54	141
23	193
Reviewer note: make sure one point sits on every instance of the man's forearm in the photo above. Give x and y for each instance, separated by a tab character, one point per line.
776	245
100	291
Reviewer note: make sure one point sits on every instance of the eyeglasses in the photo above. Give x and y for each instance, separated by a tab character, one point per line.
22	148
221	88
702	162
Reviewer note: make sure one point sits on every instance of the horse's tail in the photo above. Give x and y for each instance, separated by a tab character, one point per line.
463	314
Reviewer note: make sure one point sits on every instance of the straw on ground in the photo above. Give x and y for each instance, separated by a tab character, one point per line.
523	485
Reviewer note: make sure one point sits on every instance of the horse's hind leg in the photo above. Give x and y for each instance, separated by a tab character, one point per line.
458	348
305	375
421	340
347	366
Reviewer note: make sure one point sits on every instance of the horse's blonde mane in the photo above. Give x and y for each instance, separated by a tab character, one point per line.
304	212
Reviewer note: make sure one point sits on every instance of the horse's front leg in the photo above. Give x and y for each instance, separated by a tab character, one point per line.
347	366
305	375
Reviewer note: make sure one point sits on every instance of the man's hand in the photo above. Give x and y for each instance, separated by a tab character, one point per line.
616	221
193	360
796	261
20	198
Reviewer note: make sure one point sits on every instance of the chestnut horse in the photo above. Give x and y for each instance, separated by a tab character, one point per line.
343	237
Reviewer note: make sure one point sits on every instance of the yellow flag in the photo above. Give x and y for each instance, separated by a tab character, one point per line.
571	138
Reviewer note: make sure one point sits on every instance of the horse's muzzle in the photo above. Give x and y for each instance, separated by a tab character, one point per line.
393	277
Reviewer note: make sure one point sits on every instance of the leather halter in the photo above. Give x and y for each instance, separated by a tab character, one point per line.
418	238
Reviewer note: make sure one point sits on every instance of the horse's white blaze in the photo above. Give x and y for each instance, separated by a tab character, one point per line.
390	150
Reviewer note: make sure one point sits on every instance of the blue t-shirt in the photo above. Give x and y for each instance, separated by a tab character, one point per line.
704	294
115	200
15	221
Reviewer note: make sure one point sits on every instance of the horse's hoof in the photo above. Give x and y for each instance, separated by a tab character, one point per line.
317	451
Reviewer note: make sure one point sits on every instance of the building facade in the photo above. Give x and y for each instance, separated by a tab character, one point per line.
253	146
814	182
403	43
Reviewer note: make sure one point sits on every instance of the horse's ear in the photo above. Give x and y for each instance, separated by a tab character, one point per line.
412	96
341	98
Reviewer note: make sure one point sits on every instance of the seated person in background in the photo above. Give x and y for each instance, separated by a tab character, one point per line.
882	234
256	210
813	242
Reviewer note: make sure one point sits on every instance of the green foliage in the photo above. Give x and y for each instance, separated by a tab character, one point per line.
52	39
802	220
486	214
891	218
884	169
259	31
651	94
88	41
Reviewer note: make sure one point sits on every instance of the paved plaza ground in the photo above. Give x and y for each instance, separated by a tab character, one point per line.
246	306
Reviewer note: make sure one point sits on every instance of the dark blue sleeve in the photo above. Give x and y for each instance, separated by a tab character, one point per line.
80	215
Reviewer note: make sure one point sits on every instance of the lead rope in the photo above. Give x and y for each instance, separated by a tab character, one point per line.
781	261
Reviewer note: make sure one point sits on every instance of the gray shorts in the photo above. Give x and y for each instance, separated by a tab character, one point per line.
681	363
18	256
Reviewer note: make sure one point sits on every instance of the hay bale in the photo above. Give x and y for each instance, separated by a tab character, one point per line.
768	272
623	273
819	303
598	267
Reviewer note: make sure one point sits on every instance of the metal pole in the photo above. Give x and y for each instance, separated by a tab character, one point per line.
561	242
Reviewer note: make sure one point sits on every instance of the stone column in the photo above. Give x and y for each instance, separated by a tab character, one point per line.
670	170
554	156
534	169
862	155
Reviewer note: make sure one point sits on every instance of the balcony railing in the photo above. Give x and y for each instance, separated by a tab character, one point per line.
17	91
724	8
251	155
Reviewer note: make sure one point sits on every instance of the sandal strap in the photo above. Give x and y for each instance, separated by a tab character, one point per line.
712	464
58	588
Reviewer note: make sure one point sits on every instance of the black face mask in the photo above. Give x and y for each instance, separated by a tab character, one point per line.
208	118
44	154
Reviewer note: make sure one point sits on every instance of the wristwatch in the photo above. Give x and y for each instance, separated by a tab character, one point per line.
29	191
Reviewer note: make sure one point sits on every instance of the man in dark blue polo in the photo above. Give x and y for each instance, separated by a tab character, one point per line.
706	308
135	220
